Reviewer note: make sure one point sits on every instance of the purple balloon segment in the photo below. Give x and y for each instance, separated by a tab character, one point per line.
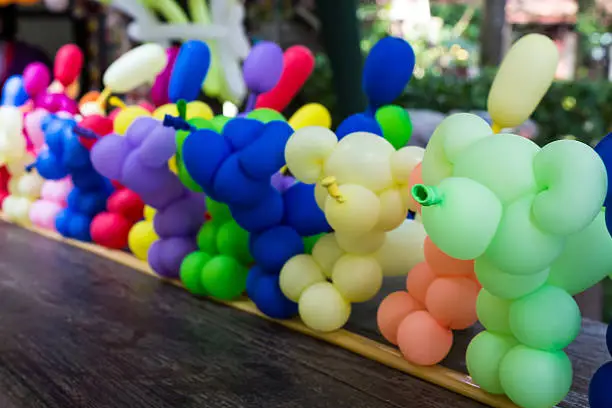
166	255
263	67
139	161
281	182
262	70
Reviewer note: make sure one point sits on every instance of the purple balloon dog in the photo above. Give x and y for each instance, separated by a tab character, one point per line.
139	161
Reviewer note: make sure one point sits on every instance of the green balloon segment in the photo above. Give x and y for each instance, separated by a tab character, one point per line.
395	124
219	268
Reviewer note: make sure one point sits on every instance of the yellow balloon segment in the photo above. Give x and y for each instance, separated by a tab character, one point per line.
195	109
312	114
523	78
141	237
126	116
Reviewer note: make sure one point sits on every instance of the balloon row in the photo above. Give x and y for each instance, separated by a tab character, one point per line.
308	221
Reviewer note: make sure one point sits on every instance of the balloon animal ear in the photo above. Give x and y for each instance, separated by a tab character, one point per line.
569	174
387	71
450	139
68	64
189	71
307	151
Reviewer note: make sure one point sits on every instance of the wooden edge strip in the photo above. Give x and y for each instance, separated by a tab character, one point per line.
371	349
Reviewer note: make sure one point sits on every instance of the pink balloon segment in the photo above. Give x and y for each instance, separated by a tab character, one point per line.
53	200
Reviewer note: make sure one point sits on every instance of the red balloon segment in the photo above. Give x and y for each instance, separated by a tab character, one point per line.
68	64
298	64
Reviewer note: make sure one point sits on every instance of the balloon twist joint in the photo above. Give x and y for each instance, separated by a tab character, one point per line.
333	190
86	133
426	195
104	95
177	123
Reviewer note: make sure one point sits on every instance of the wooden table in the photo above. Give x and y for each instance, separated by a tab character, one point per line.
79	330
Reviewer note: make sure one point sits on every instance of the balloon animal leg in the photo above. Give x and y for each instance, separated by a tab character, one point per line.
441	297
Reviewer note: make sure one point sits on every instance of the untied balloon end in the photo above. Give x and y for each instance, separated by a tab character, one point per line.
333	190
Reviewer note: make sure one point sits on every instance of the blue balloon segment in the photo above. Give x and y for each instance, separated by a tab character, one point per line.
600	392
609	339
264	215
233	187
203	153
189	71
236	168
358	122
387	71
241	132
303	214
604	150
266	155
13	91
264	290
66	156
271	249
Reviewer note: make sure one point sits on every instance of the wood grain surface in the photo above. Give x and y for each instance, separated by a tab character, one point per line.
79	330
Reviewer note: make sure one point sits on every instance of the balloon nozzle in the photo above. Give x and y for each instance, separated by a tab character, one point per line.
30	167
426	195
116	102
333	190
177	123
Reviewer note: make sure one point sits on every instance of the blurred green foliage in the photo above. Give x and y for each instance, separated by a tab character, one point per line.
570	109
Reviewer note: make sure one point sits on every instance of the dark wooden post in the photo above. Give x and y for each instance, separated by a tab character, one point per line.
341	40
494	33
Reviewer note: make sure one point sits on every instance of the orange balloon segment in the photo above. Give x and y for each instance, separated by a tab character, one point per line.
392	311
422	340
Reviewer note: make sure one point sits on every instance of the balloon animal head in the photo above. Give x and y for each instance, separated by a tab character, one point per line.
361	180
65	153
503	198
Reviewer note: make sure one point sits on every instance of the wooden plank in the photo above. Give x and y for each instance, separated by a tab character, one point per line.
587	353
81	330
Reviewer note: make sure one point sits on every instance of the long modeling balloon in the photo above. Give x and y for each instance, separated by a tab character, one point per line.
135	68
524	76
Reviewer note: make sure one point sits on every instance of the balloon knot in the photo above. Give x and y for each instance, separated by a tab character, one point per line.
30	167
86	133
331	185
177	123
496	128
426	195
